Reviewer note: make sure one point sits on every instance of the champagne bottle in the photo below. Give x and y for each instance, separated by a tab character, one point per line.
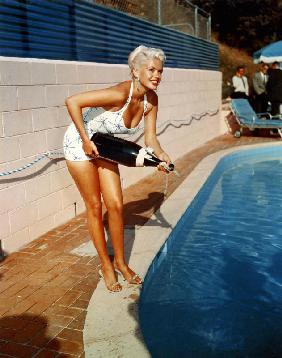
124	152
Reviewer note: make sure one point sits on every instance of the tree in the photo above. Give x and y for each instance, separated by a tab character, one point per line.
246	24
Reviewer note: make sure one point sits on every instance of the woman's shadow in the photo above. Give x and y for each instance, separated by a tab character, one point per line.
138	213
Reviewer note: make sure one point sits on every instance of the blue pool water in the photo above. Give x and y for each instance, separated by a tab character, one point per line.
215	288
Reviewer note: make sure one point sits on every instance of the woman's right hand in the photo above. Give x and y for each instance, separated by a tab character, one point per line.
90	148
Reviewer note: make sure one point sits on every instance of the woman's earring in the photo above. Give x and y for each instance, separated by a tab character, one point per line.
137	84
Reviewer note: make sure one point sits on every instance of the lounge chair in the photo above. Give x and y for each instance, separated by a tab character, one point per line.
248	118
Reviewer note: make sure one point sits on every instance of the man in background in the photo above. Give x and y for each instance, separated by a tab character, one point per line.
240	84
259	84
274	88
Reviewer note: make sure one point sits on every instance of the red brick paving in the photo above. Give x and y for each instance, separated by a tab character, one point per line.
45	289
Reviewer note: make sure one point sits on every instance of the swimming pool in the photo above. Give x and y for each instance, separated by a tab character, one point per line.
215	288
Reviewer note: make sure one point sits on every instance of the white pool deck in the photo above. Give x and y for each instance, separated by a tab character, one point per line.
111	326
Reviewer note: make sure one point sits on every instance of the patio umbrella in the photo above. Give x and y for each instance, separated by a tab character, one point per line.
269	53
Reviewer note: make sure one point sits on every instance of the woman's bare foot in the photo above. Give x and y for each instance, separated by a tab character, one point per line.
128	275
107	272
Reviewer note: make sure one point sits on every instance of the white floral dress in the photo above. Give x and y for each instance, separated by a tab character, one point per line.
97	120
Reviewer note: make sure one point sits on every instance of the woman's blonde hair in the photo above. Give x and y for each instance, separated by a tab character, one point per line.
142	54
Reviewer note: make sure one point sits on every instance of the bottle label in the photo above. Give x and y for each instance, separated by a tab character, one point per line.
140	157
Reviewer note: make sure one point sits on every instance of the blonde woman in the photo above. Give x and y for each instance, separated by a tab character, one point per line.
117	109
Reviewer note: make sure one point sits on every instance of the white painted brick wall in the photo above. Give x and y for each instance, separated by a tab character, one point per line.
49	205
64	215
12	198
38	229
54	137
86	73
32	144
66	73
43	73
60	179
1	125
56	95
17	122
8	98
17	240
4	226
15	73
74	89
23	217
45	118
37	187
9	149
33	119
70	196
31	97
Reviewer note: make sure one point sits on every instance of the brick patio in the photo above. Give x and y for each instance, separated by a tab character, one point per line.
45	288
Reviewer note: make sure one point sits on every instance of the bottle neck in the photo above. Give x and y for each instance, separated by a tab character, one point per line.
151	161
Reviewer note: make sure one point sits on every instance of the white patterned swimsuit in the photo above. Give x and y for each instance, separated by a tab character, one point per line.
97	120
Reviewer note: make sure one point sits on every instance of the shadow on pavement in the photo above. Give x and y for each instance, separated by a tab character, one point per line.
137	213
26	335
133	311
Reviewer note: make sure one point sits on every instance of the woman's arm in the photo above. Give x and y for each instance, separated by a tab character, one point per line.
107	98
150	128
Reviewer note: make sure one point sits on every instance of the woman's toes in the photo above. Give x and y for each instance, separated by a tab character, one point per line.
135	279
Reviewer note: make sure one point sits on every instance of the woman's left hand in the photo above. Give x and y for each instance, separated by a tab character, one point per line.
164	158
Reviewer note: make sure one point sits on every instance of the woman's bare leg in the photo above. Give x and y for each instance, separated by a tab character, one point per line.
85	175
112	195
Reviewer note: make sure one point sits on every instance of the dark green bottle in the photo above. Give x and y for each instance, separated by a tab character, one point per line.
124	152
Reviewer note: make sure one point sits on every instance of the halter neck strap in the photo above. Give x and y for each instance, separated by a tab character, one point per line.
130	92
130	96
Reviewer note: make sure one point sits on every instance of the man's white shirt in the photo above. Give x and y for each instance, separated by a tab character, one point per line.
240	84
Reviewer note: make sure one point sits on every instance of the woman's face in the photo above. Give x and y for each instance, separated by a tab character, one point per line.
150	73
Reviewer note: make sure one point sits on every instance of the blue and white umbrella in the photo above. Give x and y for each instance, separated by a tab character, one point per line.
269	53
